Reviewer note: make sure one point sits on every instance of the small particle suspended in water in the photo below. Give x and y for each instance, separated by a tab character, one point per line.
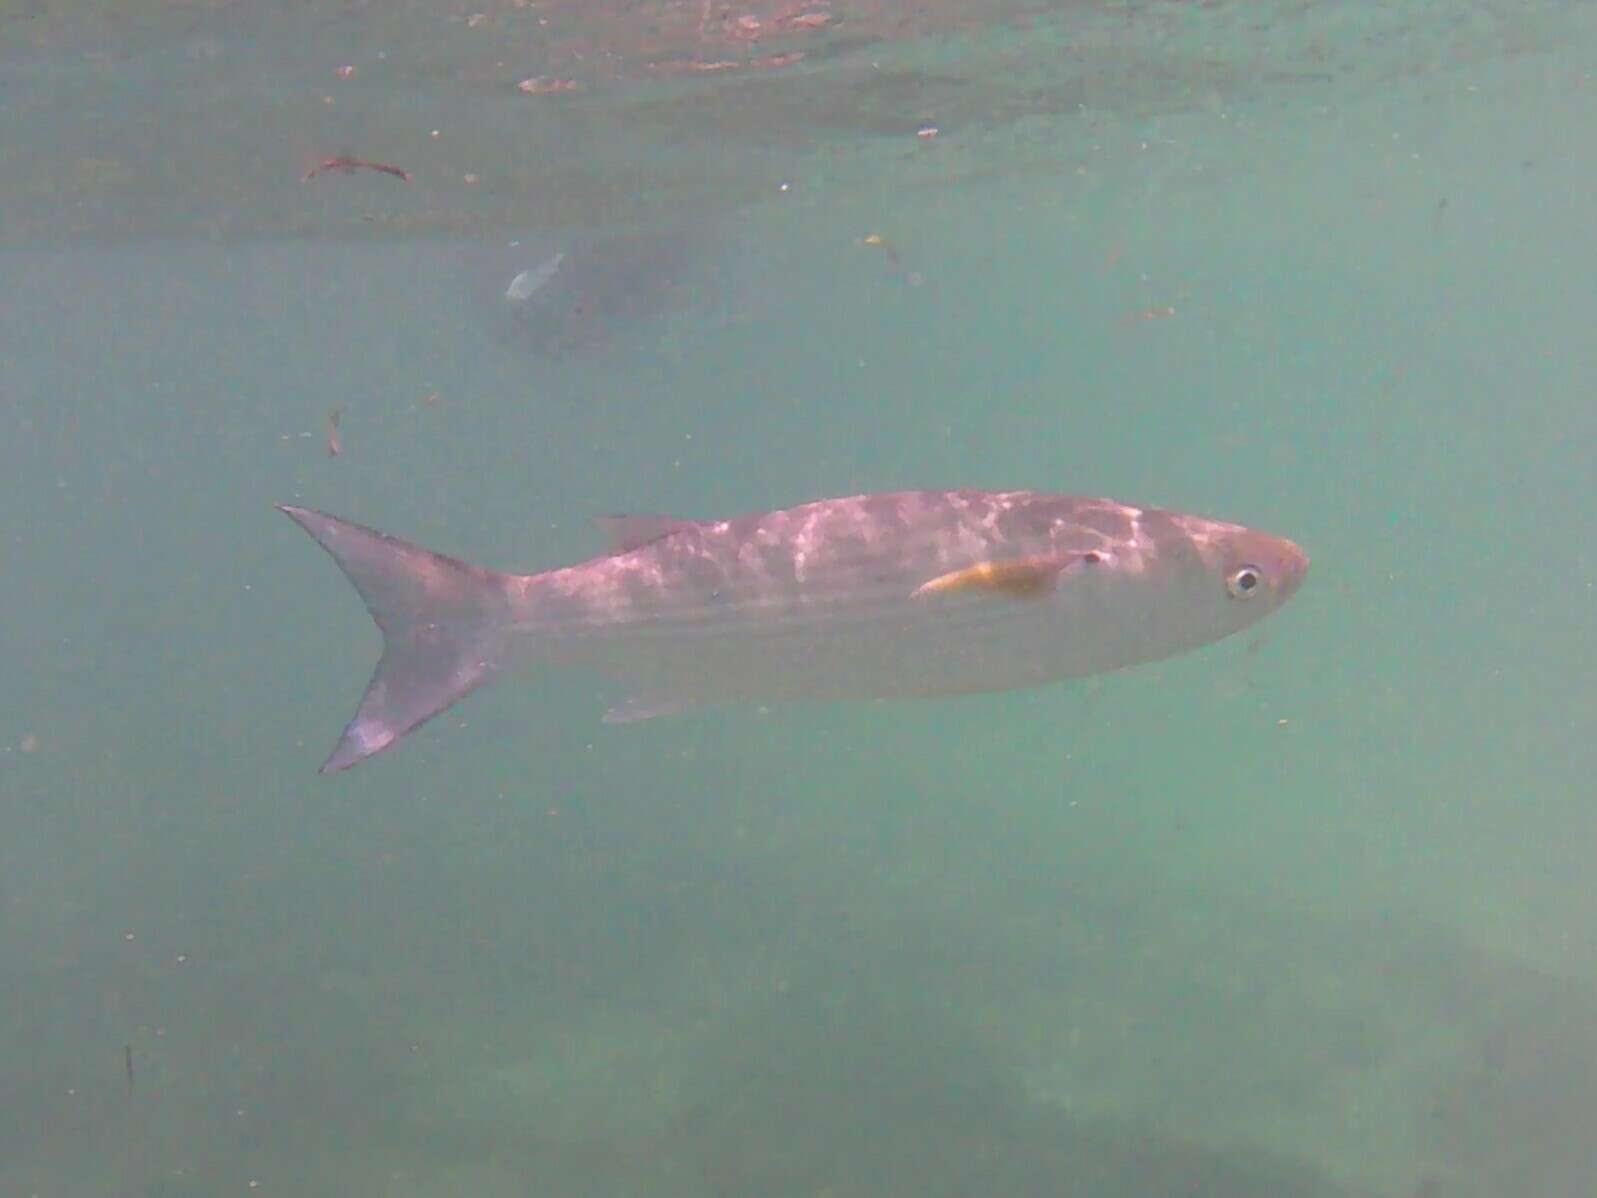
30	743
335	443
773	61
127	1059
927	132
816	19
1159	312
346	72
878	242
542	85
679	66
684	66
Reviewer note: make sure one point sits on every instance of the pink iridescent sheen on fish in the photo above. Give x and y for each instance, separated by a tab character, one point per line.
915	593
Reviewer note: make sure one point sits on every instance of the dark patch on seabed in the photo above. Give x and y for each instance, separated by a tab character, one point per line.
867	1064
1521	1116
848	1092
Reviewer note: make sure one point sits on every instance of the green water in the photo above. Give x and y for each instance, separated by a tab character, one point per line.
1307	913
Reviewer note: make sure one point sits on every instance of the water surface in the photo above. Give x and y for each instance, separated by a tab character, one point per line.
1304	914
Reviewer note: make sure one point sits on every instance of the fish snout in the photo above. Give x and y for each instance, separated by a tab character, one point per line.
1292	566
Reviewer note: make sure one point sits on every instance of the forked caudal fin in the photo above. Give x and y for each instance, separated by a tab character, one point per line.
444	626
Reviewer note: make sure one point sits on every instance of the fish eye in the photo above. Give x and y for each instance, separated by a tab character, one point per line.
1243	582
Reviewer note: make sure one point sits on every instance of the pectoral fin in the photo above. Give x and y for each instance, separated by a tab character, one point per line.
1020	578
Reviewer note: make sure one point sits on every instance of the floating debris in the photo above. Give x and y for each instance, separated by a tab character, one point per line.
542	85
682	66
1158	312
806	20
349	166
878	242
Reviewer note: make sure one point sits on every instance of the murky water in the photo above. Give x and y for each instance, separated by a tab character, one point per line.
1306	913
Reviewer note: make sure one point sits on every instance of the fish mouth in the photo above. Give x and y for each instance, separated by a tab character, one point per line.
1294	568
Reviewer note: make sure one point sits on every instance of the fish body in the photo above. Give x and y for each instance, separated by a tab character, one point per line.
582	294
913	593
529	282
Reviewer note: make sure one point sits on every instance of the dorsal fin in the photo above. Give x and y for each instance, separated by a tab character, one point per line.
627	533
1019	578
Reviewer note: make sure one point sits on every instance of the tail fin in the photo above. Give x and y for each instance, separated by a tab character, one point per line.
444	626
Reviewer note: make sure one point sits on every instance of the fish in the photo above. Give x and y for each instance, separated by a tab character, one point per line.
884	596
529	282
582	295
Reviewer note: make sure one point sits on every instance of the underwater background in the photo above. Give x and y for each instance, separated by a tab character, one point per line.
1309	912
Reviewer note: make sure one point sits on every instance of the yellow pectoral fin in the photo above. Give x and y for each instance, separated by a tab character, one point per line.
1025	578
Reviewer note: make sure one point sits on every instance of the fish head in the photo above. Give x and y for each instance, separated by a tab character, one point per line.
1230	576
1185	582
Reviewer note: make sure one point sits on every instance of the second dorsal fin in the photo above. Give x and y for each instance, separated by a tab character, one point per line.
627	533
